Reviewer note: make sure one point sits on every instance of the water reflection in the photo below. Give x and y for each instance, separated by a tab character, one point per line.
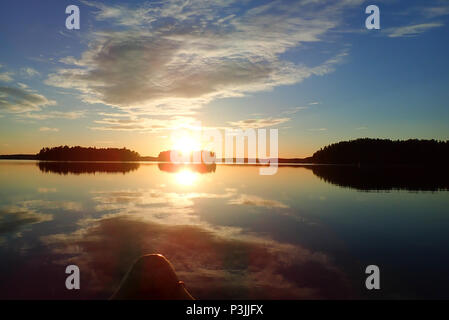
215	263
194	167
187	174
360	178
232	234
65	168
186	177
385	178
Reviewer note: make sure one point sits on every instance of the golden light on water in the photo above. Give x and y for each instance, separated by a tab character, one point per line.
186	177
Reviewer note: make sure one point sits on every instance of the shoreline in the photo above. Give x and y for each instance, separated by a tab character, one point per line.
283	164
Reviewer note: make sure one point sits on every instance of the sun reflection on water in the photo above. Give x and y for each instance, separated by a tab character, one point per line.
186	177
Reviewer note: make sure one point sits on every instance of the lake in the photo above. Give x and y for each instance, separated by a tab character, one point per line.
307	232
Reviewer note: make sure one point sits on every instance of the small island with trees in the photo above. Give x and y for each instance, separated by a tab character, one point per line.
65	153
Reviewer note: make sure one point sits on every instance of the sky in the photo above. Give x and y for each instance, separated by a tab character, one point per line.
137	71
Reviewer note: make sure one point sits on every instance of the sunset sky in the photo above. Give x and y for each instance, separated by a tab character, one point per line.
137	70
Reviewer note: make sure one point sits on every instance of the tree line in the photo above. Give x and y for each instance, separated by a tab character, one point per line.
384	151
66	153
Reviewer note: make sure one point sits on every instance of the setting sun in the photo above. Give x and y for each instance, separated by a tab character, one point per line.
186	144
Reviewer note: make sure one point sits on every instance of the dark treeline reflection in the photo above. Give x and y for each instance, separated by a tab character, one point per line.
66	168
423	178
195	167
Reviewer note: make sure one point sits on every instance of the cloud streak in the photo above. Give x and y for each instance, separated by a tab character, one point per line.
6	76
47	129
258	123
141	124
71	115
29	72
412	30
16	100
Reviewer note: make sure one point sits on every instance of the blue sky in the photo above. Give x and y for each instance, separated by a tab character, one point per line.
137	70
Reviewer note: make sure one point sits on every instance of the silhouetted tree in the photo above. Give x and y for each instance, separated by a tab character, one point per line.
384	152
65	153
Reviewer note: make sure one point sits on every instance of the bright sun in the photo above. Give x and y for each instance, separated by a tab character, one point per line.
186	144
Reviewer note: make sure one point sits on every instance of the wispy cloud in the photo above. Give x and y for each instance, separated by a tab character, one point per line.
47	129
294	110
412	30
142	124
22	85
436	11
26	72
46	190
17	100
29	72
258	123
72	115
6	76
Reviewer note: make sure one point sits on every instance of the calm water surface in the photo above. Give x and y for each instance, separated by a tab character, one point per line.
229	232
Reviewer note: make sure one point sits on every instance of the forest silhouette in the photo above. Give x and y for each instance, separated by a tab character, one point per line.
65	153
384	152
